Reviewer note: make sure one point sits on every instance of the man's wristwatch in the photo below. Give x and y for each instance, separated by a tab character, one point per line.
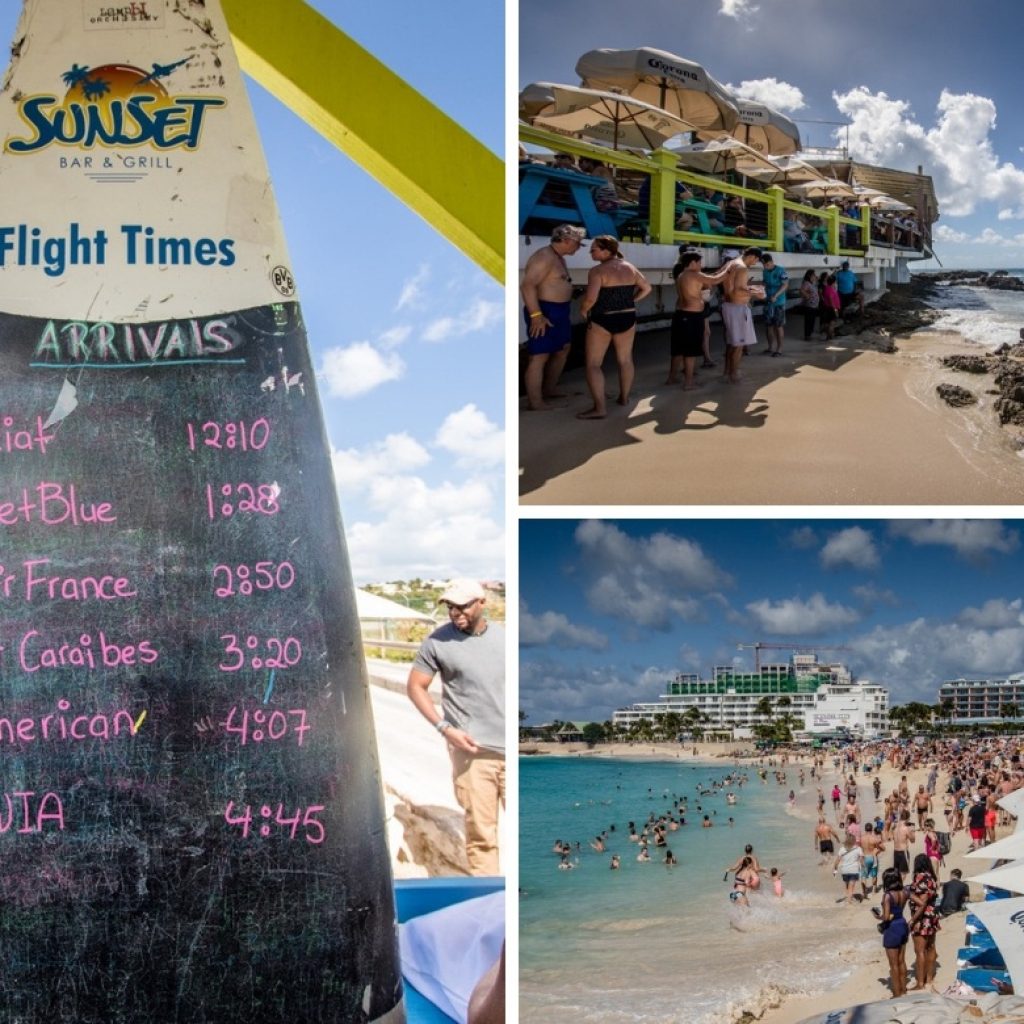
442	725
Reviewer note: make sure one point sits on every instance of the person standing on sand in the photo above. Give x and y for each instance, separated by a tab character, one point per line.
894	929
547	295
848	864
614	287
902	836
924	924
688	320
872	845
776	283
736	315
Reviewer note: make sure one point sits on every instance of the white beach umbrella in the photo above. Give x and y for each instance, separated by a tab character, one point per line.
722	154
534	98
1009	877
792	170
884	202
825	188
1005	921
764	129
1009	848
606	117
672	83
1013	803
926	1008
373	607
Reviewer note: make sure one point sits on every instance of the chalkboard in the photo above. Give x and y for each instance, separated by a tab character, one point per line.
191	827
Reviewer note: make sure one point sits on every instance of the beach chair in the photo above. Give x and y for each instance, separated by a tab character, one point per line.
417	896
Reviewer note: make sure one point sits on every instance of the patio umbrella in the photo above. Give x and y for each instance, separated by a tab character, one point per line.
824	188
1009	876
534	98
925	1008
765	129
672	83
790	170
607	117
884	202
724	154
1008	848
1005	921
1013	803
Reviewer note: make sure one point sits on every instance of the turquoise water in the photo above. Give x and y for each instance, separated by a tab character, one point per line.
650	943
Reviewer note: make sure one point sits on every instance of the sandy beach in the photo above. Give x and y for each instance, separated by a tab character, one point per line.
868	980
827	422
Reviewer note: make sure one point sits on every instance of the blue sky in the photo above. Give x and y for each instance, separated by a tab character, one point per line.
406	332
923	82
612	609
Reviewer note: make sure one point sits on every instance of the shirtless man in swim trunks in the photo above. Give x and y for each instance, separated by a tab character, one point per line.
824	834
547	294
688	321
872	845
923	803
736	315
902	836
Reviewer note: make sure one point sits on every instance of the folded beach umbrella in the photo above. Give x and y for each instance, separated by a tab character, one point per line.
1009	876
607	117
1009	848
1005	921
765	129
673	83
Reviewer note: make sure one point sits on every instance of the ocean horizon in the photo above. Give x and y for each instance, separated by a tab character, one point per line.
984	316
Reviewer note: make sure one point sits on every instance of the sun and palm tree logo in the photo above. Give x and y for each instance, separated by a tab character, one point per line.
116	82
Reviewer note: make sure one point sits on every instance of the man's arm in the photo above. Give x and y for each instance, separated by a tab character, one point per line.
416	688
533	277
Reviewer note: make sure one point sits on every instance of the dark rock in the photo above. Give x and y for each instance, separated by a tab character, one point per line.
956	396
1010	411
967	363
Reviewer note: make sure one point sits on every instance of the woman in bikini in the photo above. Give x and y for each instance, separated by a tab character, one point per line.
613	289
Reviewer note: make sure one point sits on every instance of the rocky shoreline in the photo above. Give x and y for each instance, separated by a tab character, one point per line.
905	308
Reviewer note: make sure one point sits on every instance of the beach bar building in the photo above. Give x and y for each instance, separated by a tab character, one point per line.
824	698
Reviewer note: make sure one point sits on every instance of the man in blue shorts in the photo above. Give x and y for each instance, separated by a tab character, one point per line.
849	289
547	293
776	281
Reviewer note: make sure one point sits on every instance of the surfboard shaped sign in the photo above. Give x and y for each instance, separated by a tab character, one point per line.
191	822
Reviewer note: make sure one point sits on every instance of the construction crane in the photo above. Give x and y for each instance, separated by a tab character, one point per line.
759	646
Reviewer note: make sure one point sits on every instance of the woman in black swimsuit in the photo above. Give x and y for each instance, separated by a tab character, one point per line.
613	289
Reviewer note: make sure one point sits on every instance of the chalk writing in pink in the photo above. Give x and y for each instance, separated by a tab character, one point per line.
53	504
35	653
240	436
244	498
273	822
245	580
58	727
48	808
266	652
261	725
72	588
24	439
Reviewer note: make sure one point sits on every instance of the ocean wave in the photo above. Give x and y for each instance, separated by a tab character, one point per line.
988	328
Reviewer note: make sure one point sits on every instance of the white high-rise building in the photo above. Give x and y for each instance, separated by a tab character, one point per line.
982	700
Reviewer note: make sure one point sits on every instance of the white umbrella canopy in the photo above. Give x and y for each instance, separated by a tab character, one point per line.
824	188
884	202
1005	921
1013	803
1008	848
1009	877
374	608
607	117
765	129
672	83
534	98
926	1008
722	154
791	170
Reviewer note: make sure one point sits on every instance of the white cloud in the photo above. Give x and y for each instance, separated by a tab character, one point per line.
397	453
481	313
956	150
358	368
944	233
737	8
555	629
993	614
470	435
780	95
647	581
394	337
794	616
873	596
412	290
969	538
854	547
803	537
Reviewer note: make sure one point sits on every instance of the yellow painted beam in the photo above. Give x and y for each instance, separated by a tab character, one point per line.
416	151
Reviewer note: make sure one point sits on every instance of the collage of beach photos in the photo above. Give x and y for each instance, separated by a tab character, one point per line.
769	421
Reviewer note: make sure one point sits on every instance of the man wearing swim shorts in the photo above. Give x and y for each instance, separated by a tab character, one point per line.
824	834
739	324
872	845
902	836
688	320
776	281
547	294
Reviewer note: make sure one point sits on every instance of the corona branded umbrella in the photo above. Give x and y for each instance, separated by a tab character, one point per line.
672	83
765	129
790	171
1009	877
1005	921
606	117
725	154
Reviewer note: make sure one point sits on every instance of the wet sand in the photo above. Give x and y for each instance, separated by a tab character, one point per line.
825	423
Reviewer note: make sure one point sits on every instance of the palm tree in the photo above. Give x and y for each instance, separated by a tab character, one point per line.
672	723
764	708
1009	710
75	76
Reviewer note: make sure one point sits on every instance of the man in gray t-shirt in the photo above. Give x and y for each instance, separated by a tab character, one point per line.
469	654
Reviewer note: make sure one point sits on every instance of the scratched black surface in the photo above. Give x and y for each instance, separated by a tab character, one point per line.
149	906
